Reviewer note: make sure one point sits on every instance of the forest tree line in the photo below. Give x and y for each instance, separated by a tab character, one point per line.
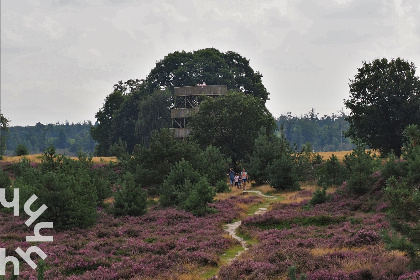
323	134
66	138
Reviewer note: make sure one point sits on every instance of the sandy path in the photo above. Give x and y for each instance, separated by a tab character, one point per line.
232	227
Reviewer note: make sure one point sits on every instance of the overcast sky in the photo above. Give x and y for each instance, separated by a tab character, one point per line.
61	58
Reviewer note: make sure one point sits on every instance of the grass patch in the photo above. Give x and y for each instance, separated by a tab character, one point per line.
225	259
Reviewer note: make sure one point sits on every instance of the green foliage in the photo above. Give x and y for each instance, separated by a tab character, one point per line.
102	132
3	129
220	123
404	195
332	172
411	154
271	162
151	165
131	199
71	199
185	188
201	194
282	173
292	274
5	181
323	134
405	218
118	149
384	99
21	150
71	189
266	149
178	184
360	165
41	269
137	108
210	66
140	115
303	163
68	138
320	196
222	186
213	164
393	167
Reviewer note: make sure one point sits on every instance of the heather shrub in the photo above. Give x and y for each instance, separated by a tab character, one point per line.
247	269
410	276
327	275
130	199
361	274
363	237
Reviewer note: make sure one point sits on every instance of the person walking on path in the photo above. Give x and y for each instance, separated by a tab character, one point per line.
244	176
237	180
231	176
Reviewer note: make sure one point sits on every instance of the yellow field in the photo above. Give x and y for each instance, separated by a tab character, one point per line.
38	158
340	155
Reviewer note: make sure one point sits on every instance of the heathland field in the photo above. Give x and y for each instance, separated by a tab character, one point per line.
276	235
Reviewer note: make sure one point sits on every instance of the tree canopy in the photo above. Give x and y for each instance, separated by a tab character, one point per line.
209	65
231	123
130	115
136	108
384	99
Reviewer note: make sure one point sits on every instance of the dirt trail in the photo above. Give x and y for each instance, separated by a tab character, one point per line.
232	227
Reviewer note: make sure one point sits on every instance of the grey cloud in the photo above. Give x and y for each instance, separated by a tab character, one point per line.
341	37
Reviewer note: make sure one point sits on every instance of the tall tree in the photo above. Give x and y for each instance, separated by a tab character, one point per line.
206	65
136	108
384	99
231	123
